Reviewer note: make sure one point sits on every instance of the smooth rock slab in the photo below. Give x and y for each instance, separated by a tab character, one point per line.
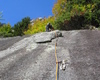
47	36
27	60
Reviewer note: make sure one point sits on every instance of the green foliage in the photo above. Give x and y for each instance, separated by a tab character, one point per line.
65	22
5	28
39	25
21	26
18	30
59	7
60	20
75	14
6	31
96	15
8	35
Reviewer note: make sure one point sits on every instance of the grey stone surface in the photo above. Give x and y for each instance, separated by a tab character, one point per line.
47	36
7	42
27	60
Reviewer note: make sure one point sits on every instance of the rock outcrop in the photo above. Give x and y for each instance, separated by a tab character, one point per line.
47	36
26	59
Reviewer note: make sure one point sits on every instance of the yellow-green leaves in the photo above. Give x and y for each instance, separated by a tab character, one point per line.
59	7
39	25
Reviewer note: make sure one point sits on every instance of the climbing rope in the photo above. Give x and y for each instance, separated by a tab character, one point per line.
63	62
56	58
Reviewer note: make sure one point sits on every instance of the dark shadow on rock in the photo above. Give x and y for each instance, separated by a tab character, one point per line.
44	42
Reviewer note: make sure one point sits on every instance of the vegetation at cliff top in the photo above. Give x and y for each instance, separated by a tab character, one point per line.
39	25
76	14
68	15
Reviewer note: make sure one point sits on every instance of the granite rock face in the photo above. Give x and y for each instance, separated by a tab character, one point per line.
21	58
47	36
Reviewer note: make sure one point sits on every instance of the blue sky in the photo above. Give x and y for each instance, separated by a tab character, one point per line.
15	10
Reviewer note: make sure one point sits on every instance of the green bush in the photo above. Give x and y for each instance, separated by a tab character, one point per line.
65	22
21	26
8	35
39	25
2	34
76	14
6	31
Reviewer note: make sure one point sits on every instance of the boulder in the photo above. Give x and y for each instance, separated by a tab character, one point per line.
47	36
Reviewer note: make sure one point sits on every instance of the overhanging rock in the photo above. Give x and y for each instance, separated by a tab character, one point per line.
47	36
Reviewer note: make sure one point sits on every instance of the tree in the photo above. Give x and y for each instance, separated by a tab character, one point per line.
21	26
39	25
76	13
6	31
59	7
